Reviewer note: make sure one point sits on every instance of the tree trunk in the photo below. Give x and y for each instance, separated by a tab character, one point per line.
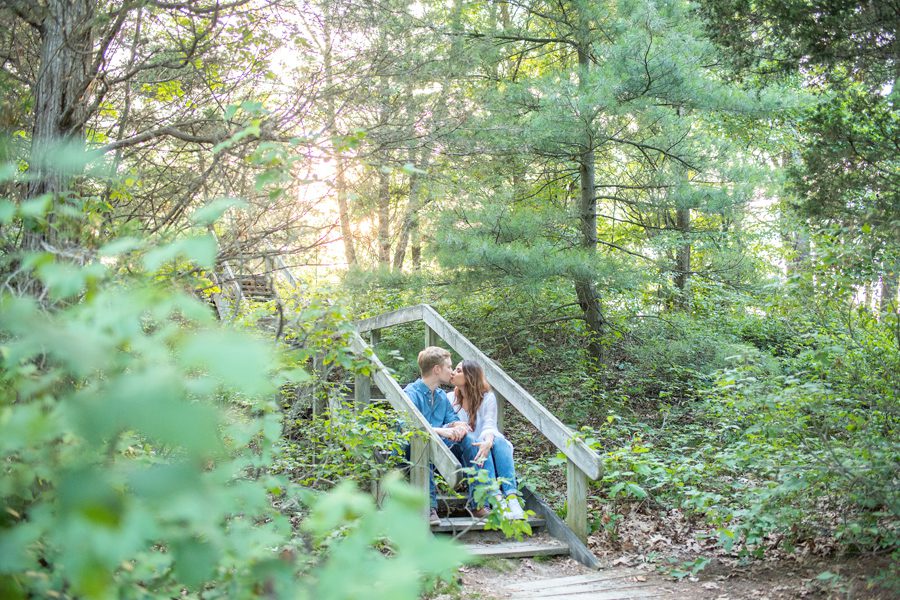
889	283
411	217
340	182
415	243
588	299
585	290
683	258
60	98
384	217
344	210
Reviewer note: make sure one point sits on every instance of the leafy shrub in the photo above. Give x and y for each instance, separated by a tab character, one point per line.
136	437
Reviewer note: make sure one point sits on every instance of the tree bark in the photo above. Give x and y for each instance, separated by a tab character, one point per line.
60	98
683	258
384	217
411	218
890	280
415	243
585	290
340	182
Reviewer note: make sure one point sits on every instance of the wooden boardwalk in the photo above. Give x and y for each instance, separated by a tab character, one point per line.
609	584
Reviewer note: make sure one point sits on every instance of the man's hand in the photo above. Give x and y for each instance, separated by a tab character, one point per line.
451	433
458	431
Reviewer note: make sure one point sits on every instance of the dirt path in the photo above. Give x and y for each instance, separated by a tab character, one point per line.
862	579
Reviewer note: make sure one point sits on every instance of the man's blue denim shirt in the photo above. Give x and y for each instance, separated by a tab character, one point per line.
434	406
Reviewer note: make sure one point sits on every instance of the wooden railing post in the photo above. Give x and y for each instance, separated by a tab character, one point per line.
420	466
431	337
501	412
374	338
362	391
318	404
577	488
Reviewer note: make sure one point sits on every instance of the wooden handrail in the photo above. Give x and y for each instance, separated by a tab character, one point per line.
551	427
410	314
440	455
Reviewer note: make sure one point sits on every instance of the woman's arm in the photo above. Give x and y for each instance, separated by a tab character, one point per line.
487	415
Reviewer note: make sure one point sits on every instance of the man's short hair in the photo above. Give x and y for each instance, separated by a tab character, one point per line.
430	357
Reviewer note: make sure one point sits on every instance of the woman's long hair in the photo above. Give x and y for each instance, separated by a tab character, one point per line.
471	393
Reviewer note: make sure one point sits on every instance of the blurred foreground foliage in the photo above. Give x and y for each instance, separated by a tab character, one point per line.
137	436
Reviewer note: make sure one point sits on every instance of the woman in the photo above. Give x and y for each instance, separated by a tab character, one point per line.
476	405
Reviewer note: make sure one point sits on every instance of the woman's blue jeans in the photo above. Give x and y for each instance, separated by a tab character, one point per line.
465	451
499	465
505	470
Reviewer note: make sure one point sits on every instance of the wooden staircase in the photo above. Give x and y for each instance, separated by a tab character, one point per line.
236	288
473	533
552	535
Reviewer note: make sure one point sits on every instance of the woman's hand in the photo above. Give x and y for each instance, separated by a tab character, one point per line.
484	448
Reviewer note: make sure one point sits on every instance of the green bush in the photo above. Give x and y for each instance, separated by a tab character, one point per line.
136	438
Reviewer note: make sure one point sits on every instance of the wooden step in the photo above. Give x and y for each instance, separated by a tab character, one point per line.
524	549
549	585
459	524
611	584
255	287
446	502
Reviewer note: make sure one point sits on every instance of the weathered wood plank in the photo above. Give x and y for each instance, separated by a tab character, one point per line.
362	391
318	405
556	582
644	591
431	337
452	524
576	499
420	467
409	314
441	456
501	411
518	549
558	529
551	427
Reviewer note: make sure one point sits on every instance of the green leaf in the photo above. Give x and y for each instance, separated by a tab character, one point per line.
36	208
635	490
8	171
65	280
7	212
211	213
235	360
195	562
119	246
201	250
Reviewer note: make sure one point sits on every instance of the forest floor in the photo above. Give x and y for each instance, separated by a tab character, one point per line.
759	580
660	548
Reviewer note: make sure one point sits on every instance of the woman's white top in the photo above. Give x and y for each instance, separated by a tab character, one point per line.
485	420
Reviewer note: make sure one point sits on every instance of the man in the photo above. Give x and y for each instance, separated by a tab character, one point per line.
430	400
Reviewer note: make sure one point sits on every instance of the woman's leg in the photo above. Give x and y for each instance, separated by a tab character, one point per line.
502	453
469	450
